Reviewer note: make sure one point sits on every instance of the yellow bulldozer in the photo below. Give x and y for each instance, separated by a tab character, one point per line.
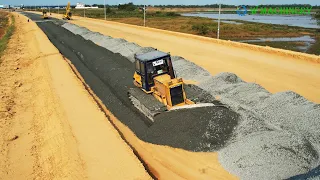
45	14
68	13
155	76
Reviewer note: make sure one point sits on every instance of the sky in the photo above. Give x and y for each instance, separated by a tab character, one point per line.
163	2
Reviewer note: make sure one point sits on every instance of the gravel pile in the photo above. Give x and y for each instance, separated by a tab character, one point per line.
269	155
115	45
188	70
277	135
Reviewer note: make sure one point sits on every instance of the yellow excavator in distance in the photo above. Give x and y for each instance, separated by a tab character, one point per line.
44	14
68	13
154	75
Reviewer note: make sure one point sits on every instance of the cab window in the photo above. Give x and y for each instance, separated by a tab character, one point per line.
137	66
142	71
157	67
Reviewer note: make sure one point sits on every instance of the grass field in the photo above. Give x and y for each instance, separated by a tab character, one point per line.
194	25
3	22
293	46
315	48
208	27
173	21
6	30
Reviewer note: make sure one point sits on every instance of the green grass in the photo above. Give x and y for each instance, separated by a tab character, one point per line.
317	17
5	39
293	46
315	48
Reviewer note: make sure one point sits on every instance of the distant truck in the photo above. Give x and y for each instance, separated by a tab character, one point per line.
6	6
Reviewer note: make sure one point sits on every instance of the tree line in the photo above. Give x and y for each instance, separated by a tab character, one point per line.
317	17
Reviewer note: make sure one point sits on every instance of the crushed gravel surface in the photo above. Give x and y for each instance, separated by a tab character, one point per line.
109	75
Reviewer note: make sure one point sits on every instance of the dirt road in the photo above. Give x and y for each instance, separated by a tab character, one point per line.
275	70
50	127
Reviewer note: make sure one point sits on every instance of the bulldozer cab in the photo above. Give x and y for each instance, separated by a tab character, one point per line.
150	65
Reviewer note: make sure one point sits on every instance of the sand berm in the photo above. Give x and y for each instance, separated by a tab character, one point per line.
44	112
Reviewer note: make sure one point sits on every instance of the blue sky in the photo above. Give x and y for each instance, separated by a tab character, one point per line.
152	2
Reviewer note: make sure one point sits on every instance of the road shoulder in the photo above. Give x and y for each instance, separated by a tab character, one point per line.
53	128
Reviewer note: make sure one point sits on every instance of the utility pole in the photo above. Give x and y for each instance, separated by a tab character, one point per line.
144	15
84	12
58	9
218	33
105	11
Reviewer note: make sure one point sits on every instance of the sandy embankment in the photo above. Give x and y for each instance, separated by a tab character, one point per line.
275	69
51	128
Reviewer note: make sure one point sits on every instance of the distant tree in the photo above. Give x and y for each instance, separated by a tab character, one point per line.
127	7
99	5
108	10
172	14
201	29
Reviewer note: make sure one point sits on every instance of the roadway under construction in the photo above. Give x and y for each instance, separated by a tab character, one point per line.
257	134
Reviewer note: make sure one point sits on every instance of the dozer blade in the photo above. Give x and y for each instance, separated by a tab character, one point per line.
146	103
199	105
